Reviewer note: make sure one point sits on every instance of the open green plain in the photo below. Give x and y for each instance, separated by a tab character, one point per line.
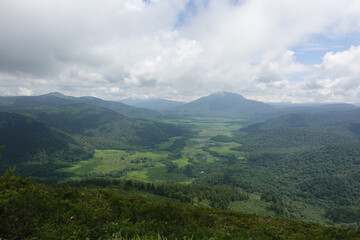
158	174
148	165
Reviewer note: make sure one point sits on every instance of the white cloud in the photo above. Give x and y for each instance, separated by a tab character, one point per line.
127	48
25	92
336	78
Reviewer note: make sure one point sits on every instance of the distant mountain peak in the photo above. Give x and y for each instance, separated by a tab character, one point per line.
56	94
59	95
224	94
223	104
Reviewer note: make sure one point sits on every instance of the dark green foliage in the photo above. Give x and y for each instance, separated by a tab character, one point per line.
342	190
104	128
177	145
36	148
219	195
270	197
343	214
222	138
1	148
28	139
36	211
285	138
303	130
312	158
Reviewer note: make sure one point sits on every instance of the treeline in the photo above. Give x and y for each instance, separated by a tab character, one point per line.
285	138
36	211
221	138
219	196
327	176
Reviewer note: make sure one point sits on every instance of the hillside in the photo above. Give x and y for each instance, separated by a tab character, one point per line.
105	128
24	103
304	119
41	140
37	148
36	211
303	130
307	158
222	104
153	104
127	110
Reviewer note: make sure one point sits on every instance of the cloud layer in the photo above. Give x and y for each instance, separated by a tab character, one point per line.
180	50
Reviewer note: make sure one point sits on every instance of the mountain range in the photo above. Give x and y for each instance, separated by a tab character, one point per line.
295	161
60	129
233	105
161	105
222	104
22	103
44	133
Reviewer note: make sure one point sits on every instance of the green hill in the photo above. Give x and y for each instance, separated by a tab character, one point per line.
332	117
130	111
24	103
310	158
281	138
303	130
160	105
104	128
41	140
37	148
36	211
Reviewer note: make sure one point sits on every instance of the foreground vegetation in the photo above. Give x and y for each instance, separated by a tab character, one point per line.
35	211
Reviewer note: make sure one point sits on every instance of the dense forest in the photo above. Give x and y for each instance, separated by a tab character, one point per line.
35	211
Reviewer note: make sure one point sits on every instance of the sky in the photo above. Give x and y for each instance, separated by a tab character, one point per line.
266	50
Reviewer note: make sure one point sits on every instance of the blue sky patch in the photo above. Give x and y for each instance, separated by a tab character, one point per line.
314	50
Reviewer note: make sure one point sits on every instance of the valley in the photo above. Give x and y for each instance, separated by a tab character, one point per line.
297	164
151	165
180	120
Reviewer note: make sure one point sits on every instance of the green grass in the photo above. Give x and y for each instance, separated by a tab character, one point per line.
225	148
182	162
107	161
136	163
210	127
307	212
253	205
158	173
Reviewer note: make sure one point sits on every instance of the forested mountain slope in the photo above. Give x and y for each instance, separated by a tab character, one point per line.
24	103
36	211
105	128
311	158
303	130
127	110
41	140
153	104
37	148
